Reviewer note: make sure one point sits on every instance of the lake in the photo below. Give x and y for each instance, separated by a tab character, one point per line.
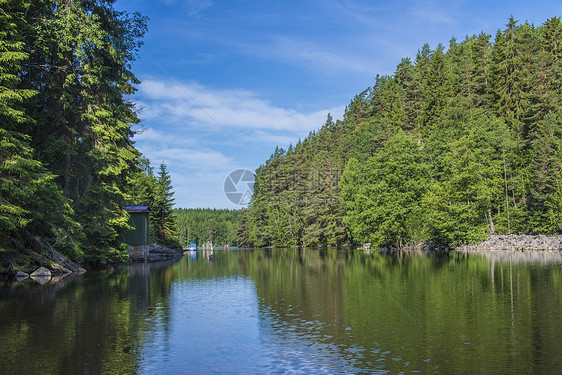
291	311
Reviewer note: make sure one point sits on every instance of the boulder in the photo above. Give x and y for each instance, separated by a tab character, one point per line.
21	276
41	279
41	272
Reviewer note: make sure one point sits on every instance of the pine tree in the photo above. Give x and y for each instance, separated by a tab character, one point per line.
143	183
163	219
26	223
480	87
435	89
545	185
83	117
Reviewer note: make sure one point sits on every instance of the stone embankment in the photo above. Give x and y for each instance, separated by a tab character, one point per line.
518	249
157	253
513	242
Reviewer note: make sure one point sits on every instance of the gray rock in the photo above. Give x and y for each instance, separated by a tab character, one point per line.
21	276
41	279
158	253
516	243
41	272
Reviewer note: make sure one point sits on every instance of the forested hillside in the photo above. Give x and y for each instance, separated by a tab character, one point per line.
67	160
200	225
459	143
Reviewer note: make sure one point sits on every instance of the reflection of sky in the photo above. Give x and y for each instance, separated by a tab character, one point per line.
212	328
300	346
217	326
305	313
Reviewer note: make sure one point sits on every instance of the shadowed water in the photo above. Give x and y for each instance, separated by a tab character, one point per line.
288	311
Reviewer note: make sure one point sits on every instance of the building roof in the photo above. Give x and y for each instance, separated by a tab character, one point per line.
137	208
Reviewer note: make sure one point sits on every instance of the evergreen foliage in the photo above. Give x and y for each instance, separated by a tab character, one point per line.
66	154
163	221
455	145
200	225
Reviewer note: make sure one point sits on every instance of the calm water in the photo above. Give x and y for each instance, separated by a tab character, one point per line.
290	311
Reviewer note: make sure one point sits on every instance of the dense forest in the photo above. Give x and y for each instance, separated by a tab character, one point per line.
67	159
459	143
200	225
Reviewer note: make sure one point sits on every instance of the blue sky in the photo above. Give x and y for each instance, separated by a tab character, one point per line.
225	81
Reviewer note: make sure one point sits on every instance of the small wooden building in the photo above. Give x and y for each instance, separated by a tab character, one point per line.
138	238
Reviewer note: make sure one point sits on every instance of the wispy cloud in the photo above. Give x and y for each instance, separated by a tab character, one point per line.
273	138
434	16
173	148
319	56
193	7
195	105
181	134
197	170
197	6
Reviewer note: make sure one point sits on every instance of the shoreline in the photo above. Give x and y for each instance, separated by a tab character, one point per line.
55	265
515	242
500	247
522	243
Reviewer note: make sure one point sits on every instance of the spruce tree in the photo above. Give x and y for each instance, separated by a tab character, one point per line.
163	219
26	222
84	116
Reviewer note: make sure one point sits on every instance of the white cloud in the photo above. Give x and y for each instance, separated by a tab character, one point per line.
281	140
195	105
177	150
195	149
320	56
161	137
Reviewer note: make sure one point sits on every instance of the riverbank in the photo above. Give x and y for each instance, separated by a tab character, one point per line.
53	264
515	242
21	265
494	243
517	249
157	253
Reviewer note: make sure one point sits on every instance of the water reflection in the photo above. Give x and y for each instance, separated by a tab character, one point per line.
74	326
290	311
544	257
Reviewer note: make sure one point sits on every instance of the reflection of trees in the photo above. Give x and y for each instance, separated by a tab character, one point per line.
362	310
93	324
460	313
99	322
85	327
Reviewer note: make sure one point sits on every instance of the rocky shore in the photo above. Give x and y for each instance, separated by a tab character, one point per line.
518	249
515	242
55	265
157	253
533	246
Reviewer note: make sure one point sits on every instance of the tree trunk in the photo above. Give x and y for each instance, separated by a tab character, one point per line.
491	227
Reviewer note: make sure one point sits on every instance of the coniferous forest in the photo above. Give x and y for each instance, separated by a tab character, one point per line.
67	159
459	143
199	225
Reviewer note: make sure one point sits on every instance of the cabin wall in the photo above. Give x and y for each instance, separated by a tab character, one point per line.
138	235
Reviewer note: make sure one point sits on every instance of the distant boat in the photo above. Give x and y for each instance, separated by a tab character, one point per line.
193	246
